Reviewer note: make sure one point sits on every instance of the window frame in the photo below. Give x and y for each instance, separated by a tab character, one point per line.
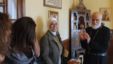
20	8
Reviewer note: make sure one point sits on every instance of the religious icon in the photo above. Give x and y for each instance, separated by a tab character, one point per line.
105	14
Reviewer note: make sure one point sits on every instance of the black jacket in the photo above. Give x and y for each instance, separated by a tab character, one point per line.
99	40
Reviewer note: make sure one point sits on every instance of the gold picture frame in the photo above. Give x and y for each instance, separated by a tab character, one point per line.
53	3
105	14
53	14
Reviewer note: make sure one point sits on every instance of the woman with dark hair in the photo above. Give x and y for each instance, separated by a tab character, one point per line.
5	26
24	47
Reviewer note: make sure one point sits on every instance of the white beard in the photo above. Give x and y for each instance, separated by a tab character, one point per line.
96	26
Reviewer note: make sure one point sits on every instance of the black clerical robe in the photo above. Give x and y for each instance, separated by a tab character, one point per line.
98	44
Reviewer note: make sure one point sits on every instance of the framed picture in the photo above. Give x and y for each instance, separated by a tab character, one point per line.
53	3
53	14
105	13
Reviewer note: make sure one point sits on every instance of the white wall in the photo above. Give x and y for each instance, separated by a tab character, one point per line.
36	10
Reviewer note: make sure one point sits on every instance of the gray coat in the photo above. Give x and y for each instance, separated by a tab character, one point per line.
49	49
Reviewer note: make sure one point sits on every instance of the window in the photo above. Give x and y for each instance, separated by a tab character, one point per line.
2	5
14	8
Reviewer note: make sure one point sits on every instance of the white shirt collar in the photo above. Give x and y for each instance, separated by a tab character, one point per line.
54	33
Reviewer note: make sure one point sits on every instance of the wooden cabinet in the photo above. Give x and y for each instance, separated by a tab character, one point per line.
79	19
